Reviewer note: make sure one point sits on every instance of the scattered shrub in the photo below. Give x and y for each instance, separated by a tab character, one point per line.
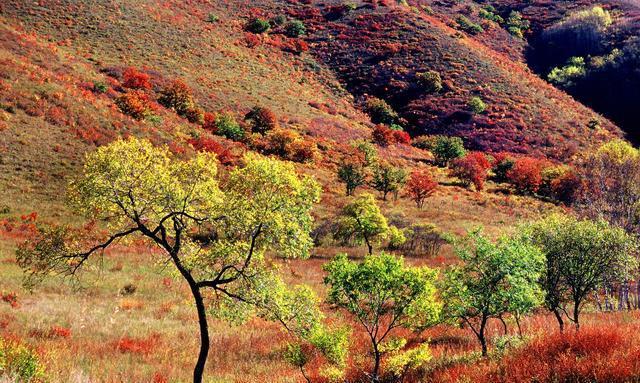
488	12
261	120
380	112
468	26
100	87
382	135
257	26
209	145
471	169
302	151
567	75
227	126
397	238
295	28
388	179
212	18
430	81
401	137
502	163
423	240
566	188
134	79
447	149
476	105
143	346
516	25
278	20
424	142
177	95
134	103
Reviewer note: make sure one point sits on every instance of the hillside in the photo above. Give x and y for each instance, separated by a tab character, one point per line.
77	75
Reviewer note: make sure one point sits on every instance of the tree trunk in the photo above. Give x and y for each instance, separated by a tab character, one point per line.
482	338
576	314
369	246
198	371
558	315
375	378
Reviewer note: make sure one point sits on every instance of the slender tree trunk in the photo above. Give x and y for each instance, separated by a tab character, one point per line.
558	315
482	338
576	314
369	246
375	378
198	371
518	324
504	325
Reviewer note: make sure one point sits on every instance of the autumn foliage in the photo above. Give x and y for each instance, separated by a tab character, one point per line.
135	79
134	103
471	169
420	186
526	174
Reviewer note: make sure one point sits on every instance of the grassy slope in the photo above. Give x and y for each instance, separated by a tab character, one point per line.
48	55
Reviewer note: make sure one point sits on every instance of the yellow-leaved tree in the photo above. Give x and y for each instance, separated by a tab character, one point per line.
214	233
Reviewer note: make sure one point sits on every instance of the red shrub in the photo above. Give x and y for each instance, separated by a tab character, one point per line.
203	144
134	103
420	186
59	332
401	137
134	79
209	122
472	169
11	298
262	120
383	136
143	346
302	151
526	174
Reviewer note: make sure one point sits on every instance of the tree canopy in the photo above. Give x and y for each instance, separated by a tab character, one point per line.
215	234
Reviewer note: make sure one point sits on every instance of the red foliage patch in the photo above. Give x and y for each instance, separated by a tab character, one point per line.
11	298
472	169
203	144
526	174
134	79
420	186
142	346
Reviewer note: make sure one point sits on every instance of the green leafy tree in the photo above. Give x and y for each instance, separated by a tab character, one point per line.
352	175
494	279
383	294
141	191
388	179
581	256
516	25
446	149
362	221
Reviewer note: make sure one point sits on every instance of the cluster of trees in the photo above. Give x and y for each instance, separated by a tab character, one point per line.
217	234
363	167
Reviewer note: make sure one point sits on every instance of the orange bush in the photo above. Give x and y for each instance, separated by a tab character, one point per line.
472	169
134	79
134	103
526	174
